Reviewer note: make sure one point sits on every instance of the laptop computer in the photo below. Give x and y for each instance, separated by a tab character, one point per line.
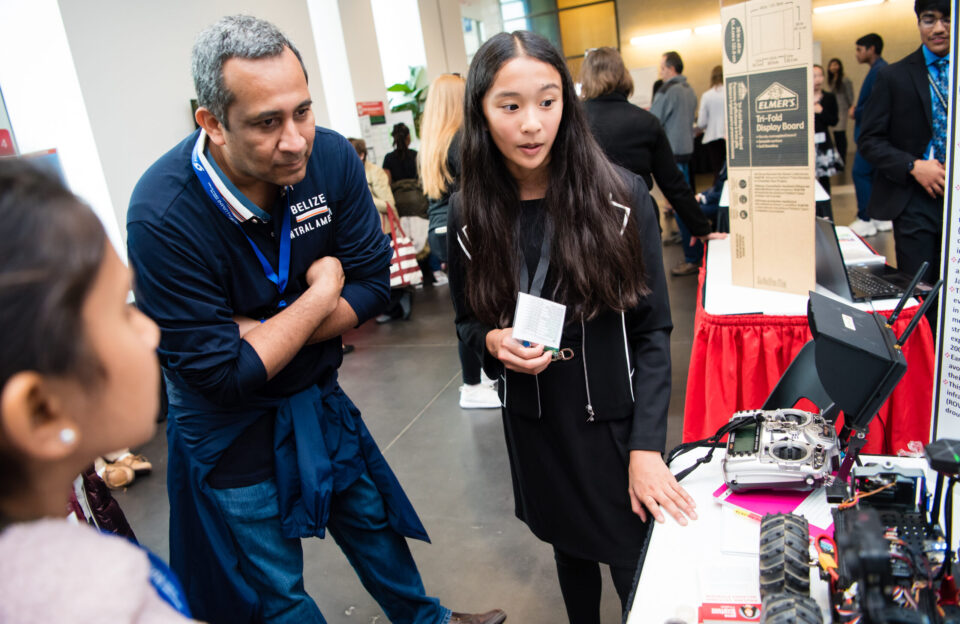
857	283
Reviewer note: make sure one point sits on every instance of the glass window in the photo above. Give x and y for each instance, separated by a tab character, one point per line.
573	26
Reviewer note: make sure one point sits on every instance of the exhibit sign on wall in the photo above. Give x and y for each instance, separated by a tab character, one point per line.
376	124
946	396
8	143
767	57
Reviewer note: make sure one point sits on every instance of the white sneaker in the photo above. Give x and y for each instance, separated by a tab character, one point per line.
863	228
486	380
478	396
440	278
882	226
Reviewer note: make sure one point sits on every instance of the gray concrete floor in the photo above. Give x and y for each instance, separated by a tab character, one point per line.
404	377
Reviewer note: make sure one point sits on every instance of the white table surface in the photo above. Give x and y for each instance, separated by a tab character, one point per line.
669	584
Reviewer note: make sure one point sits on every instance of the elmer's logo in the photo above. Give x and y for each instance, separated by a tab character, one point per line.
777	98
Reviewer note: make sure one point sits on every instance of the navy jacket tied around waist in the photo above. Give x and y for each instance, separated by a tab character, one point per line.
321	447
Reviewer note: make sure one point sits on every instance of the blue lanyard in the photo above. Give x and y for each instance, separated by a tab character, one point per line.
166	584
278	278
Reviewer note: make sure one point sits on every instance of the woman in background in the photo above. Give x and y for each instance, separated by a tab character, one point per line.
828	163
634	139
79	378
439	163
842	89
401	163
401	299
541	211
711	120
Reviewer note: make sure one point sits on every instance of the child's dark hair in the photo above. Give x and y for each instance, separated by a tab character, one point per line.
51	250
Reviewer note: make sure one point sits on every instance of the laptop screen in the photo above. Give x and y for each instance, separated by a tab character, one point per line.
831	272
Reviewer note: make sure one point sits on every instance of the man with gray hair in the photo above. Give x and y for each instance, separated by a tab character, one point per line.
675	105
256	245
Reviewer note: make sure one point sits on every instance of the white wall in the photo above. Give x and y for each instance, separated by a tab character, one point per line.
442	28
44	100
337	84
400	38
133	63
363	54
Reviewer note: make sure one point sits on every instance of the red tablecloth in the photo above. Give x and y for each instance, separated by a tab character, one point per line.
736	361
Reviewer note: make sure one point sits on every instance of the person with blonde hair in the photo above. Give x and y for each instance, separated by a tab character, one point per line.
711	120
634	139
439	165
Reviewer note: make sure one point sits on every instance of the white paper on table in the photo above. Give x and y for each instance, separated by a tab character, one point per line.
740	535
854	250
816	510
538	321
730	583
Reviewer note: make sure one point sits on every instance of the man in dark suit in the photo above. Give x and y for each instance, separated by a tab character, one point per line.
903	136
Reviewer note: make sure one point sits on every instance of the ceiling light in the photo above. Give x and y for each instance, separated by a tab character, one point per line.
673	34
846	5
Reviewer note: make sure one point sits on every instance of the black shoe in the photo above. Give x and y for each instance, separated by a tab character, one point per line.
490	617
348	349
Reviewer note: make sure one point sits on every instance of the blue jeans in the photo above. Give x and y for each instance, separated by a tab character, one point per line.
694	254
273	564
862	184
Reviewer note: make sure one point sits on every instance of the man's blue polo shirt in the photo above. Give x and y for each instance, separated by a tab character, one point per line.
195	270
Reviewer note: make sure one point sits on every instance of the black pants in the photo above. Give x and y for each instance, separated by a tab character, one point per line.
916	236
717	151
825	208
840	141
580	585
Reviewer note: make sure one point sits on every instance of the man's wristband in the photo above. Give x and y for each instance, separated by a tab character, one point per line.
910	166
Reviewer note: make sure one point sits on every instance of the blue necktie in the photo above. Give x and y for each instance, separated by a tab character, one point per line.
939	110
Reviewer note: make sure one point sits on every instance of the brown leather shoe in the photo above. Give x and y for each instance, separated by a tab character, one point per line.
140	464
685	268
118	476
490	617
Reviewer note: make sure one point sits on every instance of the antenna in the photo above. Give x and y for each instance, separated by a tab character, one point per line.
927	302
907	294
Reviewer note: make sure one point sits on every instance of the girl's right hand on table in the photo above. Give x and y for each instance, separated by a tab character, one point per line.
516	357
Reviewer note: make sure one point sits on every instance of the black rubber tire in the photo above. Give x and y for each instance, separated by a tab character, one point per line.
790	609
784	555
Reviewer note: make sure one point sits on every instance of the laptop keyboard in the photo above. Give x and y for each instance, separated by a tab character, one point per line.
872	286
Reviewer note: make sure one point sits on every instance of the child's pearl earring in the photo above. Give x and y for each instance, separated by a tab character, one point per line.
67	435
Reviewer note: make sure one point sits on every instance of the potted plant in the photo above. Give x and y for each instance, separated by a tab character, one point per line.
412	95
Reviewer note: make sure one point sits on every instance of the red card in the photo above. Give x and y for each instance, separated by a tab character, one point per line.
6	143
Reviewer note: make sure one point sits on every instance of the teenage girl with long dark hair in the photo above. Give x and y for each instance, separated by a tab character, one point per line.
542	211
842	88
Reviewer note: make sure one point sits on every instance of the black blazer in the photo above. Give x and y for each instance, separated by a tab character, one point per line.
634	139
896	130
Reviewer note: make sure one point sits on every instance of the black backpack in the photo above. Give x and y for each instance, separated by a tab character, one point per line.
409	198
